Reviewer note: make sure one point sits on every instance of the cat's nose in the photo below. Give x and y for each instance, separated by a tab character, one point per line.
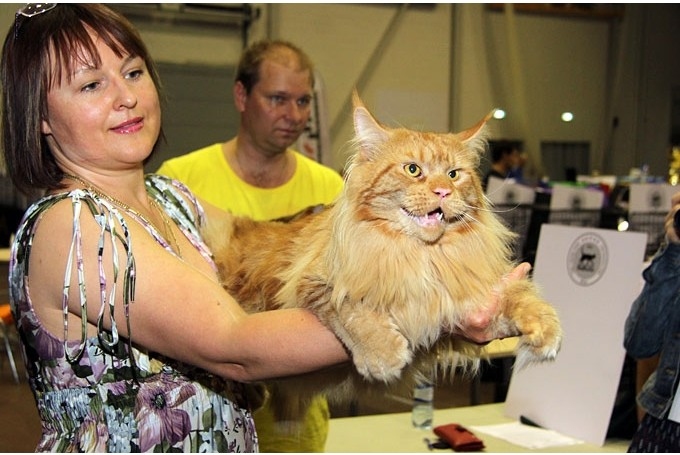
442	192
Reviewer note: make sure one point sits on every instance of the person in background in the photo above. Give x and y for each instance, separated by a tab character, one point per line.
505	159
652	337
517	173
257	174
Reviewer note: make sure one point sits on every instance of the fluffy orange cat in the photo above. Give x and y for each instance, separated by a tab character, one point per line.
407	252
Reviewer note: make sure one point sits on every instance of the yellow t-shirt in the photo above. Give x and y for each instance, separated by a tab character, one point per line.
207	173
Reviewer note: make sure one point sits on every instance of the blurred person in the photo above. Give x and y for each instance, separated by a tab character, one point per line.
256	173
652	337
506	159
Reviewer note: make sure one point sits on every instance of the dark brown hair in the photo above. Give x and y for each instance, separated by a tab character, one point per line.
248	69
27	72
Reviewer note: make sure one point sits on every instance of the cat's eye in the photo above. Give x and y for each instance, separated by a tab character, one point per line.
453	174
413	170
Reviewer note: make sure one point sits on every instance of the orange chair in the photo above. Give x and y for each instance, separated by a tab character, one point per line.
7	321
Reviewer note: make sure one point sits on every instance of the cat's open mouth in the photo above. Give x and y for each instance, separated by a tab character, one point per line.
432	218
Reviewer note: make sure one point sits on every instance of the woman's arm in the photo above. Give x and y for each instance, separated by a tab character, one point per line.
180	310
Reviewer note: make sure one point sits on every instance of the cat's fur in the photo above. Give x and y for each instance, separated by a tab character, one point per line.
408	251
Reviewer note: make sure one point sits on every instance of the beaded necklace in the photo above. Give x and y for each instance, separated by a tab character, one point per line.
168	233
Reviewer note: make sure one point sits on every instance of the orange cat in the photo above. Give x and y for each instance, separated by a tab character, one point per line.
410	249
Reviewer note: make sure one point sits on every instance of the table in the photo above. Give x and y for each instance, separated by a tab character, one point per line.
501	348
394	433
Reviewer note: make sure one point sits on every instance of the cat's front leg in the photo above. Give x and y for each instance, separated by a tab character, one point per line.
525	311
379	350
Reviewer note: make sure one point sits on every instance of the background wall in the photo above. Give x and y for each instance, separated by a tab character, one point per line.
444	66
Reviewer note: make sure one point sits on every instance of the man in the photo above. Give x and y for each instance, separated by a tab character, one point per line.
506	159
257	174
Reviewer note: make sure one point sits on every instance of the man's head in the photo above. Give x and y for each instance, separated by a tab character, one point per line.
249	65
273	92
506	153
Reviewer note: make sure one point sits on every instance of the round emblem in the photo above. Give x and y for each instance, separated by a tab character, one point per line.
587	259
655	199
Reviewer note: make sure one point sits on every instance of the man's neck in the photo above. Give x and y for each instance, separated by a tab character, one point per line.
259	169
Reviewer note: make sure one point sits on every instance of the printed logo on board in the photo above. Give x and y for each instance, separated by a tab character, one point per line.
655	199
587	259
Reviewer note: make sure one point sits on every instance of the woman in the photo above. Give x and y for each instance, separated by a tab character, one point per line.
131	343
653	330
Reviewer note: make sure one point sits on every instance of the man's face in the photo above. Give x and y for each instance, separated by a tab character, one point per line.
275	112
514	159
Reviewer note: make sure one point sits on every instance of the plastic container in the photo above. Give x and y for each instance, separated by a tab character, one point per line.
423	409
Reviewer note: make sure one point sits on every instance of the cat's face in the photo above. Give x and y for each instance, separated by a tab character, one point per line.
419	184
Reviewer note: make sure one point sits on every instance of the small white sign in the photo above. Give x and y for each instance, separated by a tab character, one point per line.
509	192
565	197
650	197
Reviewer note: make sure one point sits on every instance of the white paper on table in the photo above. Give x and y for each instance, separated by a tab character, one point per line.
674	413
526	436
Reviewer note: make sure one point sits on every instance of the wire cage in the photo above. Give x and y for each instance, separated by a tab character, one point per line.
517	217
583	218
653	223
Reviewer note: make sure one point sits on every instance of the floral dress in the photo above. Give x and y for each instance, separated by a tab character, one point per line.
101	393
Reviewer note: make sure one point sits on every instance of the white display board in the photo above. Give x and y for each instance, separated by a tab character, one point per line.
650	197
508	192
591	276
565	197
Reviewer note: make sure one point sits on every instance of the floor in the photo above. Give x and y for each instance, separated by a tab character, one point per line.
20	427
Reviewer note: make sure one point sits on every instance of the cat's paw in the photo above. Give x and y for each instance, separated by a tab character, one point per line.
540	341
383	357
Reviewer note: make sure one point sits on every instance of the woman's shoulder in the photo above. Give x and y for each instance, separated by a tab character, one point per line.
52	207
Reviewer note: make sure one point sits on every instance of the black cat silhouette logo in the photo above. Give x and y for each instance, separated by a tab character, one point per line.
587	259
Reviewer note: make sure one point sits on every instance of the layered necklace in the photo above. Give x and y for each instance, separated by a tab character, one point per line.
168	233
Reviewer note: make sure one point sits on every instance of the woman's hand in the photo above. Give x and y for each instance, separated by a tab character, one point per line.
477	328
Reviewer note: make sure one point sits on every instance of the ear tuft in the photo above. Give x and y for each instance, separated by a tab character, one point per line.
369	133
476	136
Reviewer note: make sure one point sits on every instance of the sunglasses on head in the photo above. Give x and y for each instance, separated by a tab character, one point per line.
28	11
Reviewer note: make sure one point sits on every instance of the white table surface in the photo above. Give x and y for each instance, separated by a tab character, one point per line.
391	433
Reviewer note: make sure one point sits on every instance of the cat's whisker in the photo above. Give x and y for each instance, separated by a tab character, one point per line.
509	209
493	208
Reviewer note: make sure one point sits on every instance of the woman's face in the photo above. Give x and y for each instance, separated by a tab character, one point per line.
105	118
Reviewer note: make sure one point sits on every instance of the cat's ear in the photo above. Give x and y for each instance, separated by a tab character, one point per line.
476	136
477	130
369	134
